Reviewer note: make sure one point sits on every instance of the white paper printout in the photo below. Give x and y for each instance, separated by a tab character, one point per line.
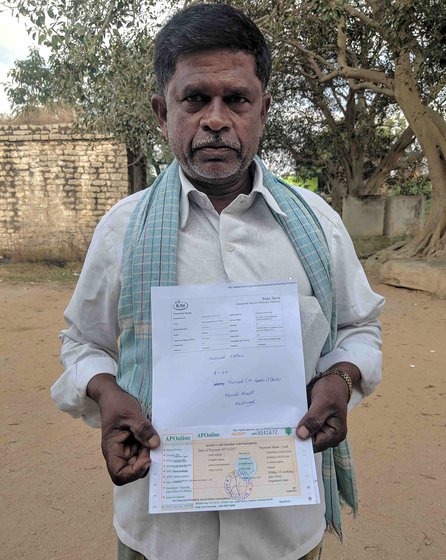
228	392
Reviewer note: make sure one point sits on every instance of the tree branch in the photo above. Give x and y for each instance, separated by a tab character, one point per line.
409	160
389	161
359	15
434	92
107	20
308	75
322	104
311	54
323	79
337	99
342	42
368	75
373	87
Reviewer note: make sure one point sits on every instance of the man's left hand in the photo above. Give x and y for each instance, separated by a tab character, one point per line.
326	419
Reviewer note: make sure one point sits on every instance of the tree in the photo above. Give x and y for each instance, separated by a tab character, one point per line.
105	71
101	62
31	81
410	69
359	50
340	133
353	148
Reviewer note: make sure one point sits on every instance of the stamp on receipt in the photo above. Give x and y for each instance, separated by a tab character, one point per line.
238	485
247	465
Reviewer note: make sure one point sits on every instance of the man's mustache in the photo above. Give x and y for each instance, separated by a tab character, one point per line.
215	141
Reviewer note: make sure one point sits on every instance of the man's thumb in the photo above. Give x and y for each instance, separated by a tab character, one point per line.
145	433
310	424
302	432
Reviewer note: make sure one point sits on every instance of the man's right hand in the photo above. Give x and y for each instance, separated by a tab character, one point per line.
127	435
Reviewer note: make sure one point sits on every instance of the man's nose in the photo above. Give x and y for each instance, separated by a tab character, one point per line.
215	116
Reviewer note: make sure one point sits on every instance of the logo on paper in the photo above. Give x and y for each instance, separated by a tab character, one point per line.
180	305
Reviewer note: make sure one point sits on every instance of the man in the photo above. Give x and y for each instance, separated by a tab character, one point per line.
219	216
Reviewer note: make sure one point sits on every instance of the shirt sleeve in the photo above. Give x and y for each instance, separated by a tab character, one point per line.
90	342
358	308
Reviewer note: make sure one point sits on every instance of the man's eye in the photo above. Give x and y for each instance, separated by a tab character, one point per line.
195	98
236	99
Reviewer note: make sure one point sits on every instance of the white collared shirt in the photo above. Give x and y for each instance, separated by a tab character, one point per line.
244	243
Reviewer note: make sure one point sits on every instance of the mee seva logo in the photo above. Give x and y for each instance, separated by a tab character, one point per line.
179	305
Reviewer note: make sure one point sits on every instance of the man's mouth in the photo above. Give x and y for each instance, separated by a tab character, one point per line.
216	147
215	150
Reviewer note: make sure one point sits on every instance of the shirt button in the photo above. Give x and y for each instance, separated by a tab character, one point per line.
229	247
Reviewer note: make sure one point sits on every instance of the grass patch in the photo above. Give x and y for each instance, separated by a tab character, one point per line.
40	273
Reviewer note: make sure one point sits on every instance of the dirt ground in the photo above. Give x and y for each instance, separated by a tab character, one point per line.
56	496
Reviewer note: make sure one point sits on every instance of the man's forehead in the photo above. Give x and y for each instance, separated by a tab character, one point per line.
214	53
199	69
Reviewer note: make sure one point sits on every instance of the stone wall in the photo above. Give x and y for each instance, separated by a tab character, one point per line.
391	216
364	217
404	215
55	185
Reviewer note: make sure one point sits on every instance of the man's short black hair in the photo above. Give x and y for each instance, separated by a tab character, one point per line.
208	27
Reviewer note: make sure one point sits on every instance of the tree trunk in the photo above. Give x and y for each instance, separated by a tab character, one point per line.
430	130
137	171
357	137
337	190
355	177
388	163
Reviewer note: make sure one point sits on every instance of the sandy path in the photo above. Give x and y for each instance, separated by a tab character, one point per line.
56	498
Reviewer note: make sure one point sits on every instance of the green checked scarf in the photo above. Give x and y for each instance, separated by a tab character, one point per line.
149	259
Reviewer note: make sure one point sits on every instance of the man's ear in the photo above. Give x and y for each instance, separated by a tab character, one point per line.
266	103
159	107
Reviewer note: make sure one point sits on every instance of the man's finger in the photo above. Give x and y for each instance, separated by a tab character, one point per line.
123	470
145	433
332	433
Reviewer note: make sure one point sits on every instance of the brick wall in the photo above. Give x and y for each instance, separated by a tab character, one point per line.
54	187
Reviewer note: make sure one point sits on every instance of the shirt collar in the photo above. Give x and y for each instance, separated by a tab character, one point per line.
188	190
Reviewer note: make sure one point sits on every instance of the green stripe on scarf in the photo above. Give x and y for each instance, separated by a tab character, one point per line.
149	259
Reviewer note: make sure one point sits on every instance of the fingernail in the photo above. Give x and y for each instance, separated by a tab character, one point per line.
153	441
303	433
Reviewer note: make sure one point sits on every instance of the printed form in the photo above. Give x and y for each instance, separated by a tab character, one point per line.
228	392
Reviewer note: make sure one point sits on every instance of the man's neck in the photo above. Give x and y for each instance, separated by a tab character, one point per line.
221	196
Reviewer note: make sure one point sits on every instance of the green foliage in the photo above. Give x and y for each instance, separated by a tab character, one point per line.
31	82
101	62
309	183
329	126
322	120
413	186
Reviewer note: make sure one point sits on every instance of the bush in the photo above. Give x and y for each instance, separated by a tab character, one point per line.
308	182
415	186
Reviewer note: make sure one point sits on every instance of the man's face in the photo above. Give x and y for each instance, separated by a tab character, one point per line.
213	115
